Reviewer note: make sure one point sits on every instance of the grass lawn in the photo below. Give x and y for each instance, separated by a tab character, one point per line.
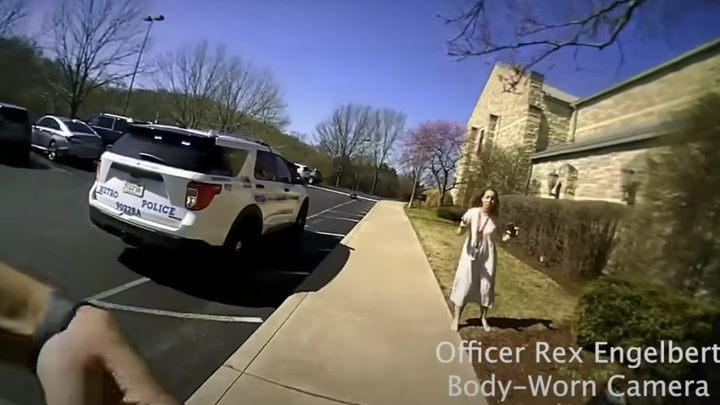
520	292
529	307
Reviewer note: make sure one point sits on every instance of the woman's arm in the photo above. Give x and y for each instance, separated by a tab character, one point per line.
23	304
464	222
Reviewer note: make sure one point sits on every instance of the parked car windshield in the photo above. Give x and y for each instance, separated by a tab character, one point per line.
79	127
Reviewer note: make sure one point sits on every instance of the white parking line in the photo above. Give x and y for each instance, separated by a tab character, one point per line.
329	209
181	315
344	219
354	214
118	290
337	235
61	170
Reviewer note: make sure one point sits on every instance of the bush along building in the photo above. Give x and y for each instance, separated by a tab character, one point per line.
584	149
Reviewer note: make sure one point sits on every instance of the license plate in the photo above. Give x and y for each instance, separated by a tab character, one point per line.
134	189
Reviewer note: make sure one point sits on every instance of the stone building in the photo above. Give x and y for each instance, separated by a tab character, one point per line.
588	148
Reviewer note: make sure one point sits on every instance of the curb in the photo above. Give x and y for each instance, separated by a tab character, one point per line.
215	387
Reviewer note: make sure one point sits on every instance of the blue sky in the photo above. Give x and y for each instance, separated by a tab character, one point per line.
390	53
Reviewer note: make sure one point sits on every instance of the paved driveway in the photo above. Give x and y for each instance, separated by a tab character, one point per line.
186	315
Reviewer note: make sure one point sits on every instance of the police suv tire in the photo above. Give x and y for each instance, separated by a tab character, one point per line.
297	230
246	232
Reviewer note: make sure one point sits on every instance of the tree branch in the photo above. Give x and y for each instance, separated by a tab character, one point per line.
599	26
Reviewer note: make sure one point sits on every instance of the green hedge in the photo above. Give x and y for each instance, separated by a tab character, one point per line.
453	213
639	314
574	236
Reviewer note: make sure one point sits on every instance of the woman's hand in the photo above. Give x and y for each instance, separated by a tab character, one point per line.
460	230
511	232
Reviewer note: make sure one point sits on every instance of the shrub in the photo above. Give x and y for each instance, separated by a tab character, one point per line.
431	198
575	236
627	314
453	213
673	236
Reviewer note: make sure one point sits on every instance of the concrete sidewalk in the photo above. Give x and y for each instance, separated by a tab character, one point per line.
367	337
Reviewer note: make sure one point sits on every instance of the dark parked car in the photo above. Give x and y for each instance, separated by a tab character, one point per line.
15	133
111	127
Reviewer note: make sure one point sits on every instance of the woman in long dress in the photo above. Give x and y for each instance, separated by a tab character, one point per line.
475	274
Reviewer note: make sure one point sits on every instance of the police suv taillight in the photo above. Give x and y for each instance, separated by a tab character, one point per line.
97	170
198	196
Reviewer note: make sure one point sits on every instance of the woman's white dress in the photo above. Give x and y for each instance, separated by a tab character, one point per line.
475	277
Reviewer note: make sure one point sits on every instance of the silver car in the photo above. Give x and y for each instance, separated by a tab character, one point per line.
66	137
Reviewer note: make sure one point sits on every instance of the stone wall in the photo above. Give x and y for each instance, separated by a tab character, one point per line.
597	173
650	99
557	115
507	110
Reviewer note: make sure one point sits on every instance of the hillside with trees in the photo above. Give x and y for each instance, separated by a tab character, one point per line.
82	64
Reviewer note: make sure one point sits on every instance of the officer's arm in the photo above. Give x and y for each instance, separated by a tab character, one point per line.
23	304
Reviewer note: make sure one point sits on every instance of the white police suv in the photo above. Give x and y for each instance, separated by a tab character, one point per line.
171	187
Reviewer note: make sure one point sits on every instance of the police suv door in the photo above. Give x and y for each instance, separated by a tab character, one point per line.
268	192
288	202
296	190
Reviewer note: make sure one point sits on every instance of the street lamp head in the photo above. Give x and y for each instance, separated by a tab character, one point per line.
154	17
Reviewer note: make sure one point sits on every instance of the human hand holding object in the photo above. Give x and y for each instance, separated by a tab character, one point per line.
75	349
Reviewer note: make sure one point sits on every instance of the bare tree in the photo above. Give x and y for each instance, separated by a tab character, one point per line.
190	78
246	94
302	137
207	87
344	134
11	13
95	42
413	159
511	27
388	126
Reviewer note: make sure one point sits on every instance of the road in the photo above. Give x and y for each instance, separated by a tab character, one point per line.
185	315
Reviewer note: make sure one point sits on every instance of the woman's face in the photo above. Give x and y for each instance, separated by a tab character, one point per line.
488	201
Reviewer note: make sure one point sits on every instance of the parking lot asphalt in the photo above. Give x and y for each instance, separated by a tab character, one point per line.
184	313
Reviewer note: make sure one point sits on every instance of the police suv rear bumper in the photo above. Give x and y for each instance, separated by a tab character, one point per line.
139	237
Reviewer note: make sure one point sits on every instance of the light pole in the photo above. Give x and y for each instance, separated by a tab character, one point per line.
150	18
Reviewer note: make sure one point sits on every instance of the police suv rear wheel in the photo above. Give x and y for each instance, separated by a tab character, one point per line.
297	229
243	240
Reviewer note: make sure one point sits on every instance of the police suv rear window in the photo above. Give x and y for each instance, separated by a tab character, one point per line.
174	148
